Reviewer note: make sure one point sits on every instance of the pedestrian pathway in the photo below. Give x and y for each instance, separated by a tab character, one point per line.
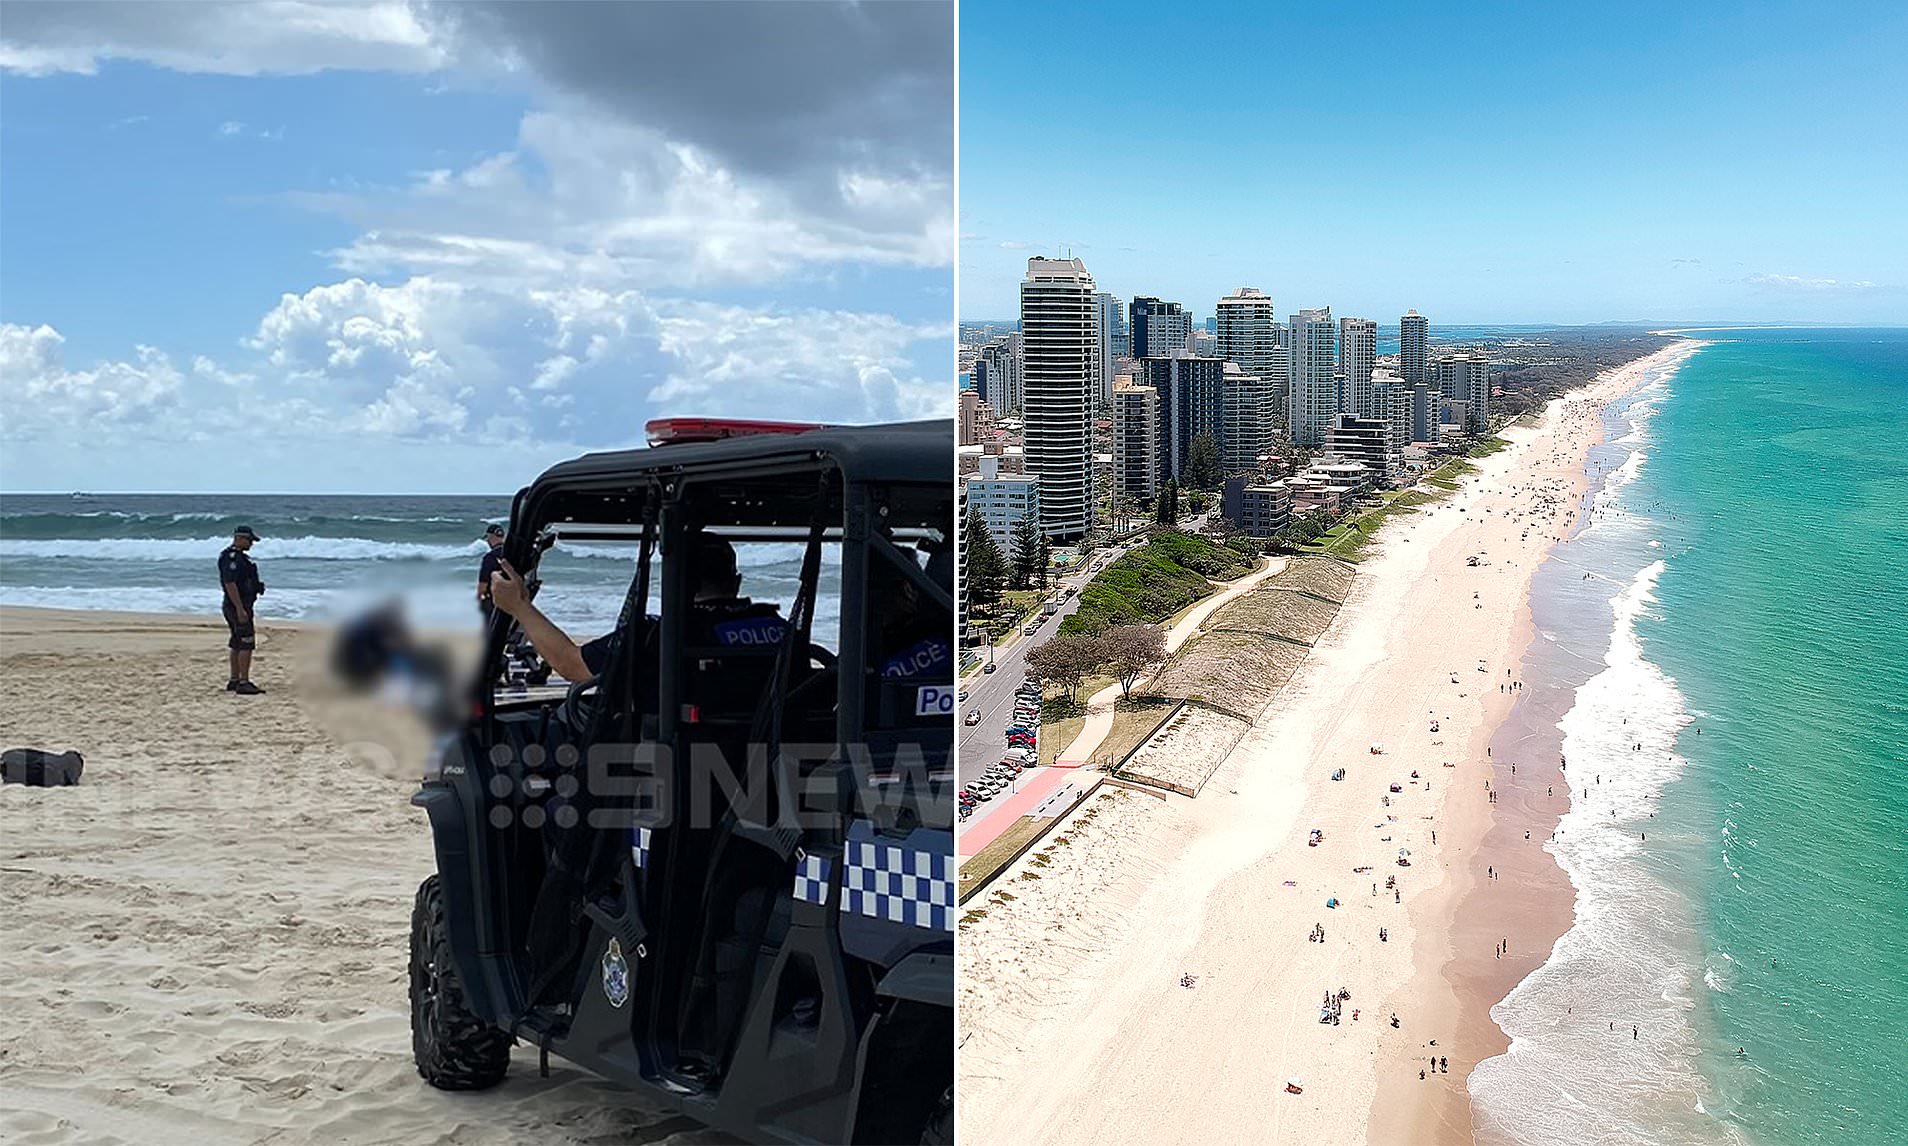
1099	719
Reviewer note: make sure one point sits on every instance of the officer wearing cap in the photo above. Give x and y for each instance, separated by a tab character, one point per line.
241	586
492	562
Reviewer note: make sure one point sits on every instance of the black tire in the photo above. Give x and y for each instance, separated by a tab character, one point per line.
939	1130
454	1049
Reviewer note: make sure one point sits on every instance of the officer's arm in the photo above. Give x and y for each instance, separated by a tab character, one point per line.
552	644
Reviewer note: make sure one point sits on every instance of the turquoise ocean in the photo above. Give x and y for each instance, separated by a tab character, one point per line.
1735	718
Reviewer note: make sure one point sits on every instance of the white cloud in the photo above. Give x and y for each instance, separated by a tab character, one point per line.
616	206
812	364
243	38
230	128
1799	283
40	391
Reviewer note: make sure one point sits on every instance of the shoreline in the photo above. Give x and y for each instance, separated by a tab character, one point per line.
1512	889
1223	889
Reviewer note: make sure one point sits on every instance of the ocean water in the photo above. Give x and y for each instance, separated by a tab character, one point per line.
1743	704
323	558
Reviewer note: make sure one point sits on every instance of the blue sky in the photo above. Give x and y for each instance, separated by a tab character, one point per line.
1482	163
433	248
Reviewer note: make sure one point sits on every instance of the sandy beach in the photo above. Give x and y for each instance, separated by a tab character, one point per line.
206	940
1078	1022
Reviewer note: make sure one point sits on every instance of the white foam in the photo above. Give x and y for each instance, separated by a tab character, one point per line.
207	549
1623	960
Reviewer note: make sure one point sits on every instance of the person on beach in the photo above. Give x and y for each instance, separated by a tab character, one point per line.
240	585
491	563
1444	1065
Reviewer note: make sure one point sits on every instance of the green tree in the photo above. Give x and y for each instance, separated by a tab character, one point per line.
1202	463
986	566
1166	508
1043	562
1025	543
1066	660
1130	650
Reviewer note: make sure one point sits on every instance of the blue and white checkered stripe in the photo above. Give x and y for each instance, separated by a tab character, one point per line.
639	846
811	879
900	885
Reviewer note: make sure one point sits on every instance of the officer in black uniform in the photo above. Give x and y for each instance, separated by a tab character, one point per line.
493	561
720	617
240	584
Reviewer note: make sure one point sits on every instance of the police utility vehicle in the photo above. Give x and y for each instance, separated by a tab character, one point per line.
720	871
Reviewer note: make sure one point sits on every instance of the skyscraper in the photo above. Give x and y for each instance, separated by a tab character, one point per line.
1414	342
1110	336
997	374
1057	322
1248	332
1139	311
1466	377
1313	395
1245	418
1168	332
1357	353
1135	439
1190	393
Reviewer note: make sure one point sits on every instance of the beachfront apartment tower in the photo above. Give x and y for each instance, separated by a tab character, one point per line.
1466	377
1312	399
1357	354
1414	346
1135	439
1059	355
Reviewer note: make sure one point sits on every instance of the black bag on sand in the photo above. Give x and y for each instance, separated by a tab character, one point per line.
39	768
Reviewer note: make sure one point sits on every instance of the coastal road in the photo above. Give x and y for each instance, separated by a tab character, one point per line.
981	745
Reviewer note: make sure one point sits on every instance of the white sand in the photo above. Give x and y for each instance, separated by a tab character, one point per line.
206	941
1112	1048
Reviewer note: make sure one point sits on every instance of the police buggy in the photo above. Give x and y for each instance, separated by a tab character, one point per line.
720	870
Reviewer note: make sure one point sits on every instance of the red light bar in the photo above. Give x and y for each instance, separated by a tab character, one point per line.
668	431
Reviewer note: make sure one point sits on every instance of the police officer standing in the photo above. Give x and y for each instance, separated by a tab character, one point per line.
241	586
492	562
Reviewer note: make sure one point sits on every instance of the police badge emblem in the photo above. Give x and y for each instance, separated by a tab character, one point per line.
615	975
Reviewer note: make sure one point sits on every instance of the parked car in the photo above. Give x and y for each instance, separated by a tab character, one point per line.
988	667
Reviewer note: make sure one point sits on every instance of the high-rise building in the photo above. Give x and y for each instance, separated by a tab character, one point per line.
1466	377
1168	333
1414	342
997	374
1135	439
1248	332
1313	395
1108	322
1391	403
1191	403
1245	418
1139	311
1357	353
967	419
1424	412
1059	356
